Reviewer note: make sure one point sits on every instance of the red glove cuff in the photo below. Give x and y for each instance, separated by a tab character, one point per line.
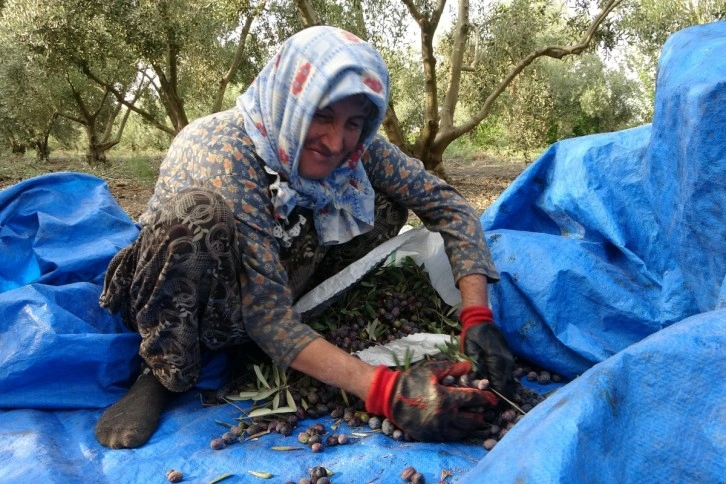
378	401
471	316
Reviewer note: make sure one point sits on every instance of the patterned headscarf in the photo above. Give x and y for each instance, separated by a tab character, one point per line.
316	67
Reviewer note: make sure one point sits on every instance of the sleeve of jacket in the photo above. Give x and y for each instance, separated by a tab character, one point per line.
440	207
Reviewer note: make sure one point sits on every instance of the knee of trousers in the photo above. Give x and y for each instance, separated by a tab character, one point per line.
199	206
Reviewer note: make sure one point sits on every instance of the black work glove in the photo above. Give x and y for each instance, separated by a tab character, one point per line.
481	340
417	402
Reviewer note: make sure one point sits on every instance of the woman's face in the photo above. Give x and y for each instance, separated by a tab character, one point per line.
334	132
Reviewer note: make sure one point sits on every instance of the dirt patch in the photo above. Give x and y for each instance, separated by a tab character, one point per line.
479	179
482	179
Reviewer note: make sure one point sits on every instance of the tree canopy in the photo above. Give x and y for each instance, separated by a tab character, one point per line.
520	73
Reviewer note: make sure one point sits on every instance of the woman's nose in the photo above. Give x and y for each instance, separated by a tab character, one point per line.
334	138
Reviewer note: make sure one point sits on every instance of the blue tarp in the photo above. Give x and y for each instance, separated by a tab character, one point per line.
611	250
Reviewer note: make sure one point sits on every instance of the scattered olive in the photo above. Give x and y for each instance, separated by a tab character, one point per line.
174	475
407	474
374	423
217	444
318	471
285	429
387	427
508	415
255	429
229	438
337	412
482	384
448	380
490	443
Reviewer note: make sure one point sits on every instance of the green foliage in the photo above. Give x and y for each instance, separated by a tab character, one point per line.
589	97
139	136
407	360
184	48
407	77
362	300
275	397
644	27
463	147
31	94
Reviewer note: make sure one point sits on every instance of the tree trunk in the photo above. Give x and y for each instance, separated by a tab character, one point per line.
16	147
392	128
95	151
42	150
435	164
438	130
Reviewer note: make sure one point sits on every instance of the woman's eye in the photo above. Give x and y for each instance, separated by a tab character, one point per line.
322	118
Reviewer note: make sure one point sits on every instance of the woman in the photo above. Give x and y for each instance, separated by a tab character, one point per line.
258	203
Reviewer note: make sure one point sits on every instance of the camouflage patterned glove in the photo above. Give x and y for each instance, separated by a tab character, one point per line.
417	402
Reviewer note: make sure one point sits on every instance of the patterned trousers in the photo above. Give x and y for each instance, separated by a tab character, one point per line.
178	283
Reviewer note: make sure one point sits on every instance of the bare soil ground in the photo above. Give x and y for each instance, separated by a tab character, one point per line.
481	179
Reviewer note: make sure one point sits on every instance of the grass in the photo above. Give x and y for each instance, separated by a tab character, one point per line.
142	168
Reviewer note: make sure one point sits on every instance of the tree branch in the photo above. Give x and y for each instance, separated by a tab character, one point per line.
72	118
237	59
120	97
310	16
413	11
554	51
461	34
109	122
122	125
436	14
79	101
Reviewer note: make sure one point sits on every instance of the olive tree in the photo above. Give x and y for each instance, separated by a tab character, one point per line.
32	98
54	36
647	24
442	91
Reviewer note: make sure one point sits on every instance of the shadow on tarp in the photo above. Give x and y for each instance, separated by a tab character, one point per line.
611	253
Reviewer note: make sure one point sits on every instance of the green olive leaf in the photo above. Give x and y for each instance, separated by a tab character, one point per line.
261	475
276	373
261	377
257	395
220	478
260	412
276	400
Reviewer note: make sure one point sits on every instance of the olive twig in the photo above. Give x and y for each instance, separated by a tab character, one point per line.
508	401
